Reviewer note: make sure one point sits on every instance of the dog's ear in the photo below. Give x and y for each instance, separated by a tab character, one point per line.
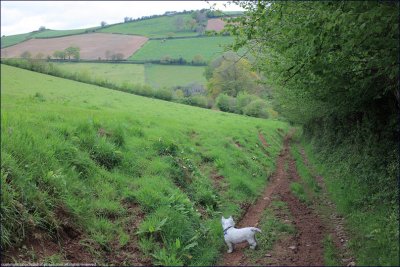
230	217
222	218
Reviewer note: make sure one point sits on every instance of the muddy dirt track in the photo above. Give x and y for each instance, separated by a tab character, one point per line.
305	248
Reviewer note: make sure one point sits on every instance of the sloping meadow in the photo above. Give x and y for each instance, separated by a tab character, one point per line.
127	170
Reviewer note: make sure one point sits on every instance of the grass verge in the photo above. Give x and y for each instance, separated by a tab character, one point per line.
373	225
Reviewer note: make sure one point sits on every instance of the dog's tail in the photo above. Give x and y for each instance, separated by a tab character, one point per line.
254	229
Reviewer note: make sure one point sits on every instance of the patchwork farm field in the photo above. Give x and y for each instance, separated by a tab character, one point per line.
207	47
156	27
151	74
111	163
97	170
92	46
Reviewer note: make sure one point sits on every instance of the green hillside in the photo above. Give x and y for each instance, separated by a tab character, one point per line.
14	39
156	27
18	38
126	172
207	47
59	33
164	26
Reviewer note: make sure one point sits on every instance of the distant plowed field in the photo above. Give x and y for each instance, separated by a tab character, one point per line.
215	25
92	46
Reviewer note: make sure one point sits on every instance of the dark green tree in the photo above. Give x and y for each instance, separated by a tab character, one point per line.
72	51
325	58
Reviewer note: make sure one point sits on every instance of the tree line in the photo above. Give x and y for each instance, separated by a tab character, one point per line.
334	69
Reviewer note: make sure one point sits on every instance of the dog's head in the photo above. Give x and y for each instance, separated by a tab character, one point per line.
227	222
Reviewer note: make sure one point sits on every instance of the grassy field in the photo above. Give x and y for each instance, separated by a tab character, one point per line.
157	27
151	74
117	73
98	157
59	33
208	48
170	75
18	38
156	76
14	39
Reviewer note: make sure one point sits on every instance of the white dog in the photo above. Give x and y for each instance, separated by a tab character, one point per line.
233	235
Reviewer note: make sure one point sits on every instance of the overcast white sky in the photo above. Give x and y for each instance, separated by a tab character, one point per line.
26	16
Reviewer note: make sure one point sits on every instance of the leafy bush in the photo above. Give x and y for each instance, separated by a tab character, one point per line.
256	108
199	101
226	103
243	99
178	94
164	94
144	90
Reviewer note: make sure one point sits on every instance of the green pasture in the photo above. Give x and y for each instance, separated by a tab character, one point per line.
116	73
15	39
18	38
156	27
171	75
207	47
95	152
59	33
154	75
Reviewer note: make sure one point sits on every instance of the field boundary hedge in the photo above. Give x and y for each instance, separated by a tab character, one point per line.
125	61
188	37
122	61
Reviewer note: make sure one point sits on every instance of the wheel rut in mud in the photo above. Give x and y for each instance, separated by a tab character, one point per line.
303	248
